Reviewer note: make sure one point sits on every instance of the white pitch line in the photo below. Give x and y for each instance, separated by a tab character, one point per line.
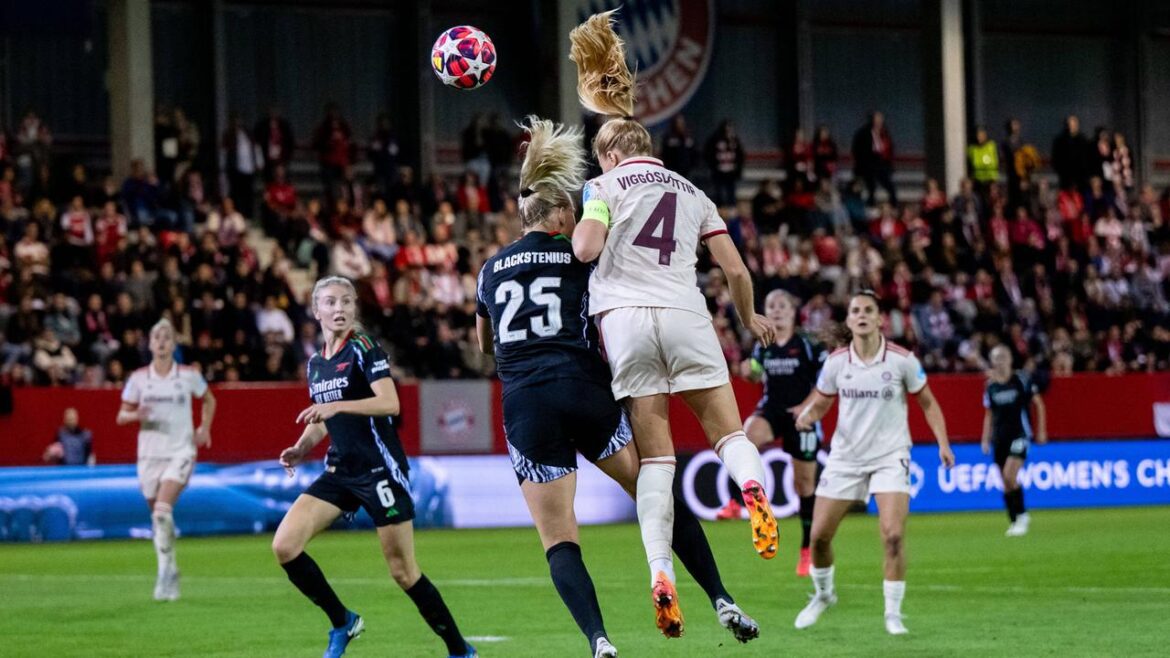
488	638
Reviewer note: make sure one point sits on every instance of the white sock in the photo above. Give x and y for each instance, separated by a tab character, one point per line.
163	525
894	591
822	580
655	504
742	459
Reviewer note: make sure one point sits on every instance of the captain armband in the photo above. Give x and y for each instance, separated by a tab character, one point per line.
596	209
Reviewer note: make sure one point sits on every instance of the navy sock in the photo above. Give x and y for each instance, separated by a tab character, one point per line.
1019	496
573	583
432	608
307	576
807	503
1009	501
691	547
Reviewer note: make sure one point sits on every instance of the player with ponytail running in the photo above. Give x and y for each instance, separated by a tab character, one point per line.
642	224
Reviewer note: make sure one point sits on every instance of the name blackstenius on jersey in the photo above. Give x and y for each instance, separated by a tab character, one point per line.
530	257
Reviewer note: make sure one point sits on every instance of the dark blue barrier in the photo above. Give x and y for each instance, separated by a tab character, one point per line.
1061	474
60	503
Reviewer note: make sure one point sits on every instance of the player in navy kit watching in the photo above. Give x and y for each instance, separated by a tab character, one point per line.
532	303
1007	425
789	368
353	400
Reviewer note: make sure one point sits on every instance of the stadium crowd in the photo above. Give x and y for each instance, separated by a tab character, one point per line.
1069	274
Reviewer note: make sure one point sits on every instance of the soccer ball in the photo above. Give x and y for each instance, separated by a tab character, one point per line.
464	57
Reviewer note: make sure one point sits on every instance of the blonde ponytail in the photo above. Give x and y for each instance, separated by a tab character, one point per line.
606	85
552	171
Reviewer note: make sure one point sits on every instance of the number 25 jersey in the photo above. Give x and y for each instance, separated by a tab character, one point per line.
656	220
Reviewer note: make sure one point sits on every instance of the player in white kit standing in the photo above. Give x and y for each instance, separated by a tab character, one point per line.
158	398
870	451
643	223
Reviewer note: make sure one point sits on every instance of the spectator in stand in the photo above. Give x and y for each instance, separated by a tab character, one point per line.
32	149
934	201
348	258
768	207
53	361
474	148
76	185
1101	156
273	323
31	253
385	153
280	202
73	444
166	146
240	158
1122	167
725	158
1070	155
799	160
139	195
873	157
331	141
274	135
678	151
983	161
379	236
189	139
228	225
77	231
472	197
1012	142
825	157
500	151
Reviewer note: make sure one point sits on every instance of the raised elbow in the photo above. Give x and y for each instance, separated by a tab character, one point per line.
585	253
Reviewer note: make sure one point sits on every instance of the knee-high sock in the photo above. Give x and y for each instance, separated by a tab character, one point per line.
162	523
434	610
573	583
742	459
807	503
1009	502
1019	495
894	591
693	550
307	576
656	513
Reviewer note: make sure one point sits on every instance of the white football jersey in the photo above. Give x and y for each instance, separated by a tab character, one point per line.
872	417
657	219
167	429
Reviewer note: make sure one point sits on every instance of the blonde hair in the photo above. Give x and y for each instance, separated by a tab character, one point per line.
160	325
331	281
553	169
606	85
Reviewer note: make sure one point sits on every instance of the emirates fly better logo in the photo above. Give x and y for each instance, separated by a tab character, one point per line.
668	44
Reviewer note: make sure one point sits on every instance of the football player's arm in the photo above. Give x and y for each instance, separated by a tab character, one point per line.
814	411
128	413
1041	419
483	330
590	233
739	280
938	424
383	403
291	456
985	440
203	434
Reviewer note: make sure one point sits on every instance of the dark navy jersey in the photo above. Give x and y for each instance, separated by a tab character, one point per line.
536	294
789	371
1010	405
358	444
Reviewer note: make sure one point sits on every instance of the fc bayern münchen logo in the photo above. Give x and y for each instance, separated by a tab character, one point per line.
668	44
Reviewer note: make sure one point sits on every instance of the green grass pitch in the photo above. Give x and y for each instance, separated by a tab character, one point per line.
1083	583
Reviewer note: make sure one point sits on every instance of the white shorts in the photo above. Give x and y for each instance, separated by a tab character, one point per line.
843	480
660	350
153	470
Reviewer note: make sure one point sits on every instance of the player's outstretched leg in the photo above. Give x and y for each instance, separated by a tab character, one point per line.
694	551
654	502
829	512
718	414
398	548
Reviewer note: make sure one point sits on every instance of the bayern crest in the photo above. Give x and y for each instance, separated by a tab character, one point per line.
668	44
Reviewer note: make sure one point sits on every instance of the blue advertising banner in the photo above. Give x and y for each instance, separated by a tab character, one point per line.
1061	474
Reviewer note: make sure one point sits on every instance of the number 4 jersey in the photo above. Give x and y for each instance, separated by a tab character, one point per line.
536	294
656	220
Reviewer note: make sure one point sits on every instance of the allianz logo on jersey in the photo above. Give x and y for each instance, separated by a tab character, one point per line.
328	390
886	394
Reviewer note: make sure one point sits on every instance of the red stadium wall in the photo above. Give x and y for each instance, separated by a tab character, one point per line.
256	421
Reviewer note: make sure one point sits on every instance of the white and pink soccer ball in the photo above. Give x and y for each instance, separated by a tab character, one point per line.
464	57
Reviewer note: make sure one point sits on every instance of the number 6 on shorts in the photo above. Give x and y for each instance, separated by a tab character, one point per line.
385	495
